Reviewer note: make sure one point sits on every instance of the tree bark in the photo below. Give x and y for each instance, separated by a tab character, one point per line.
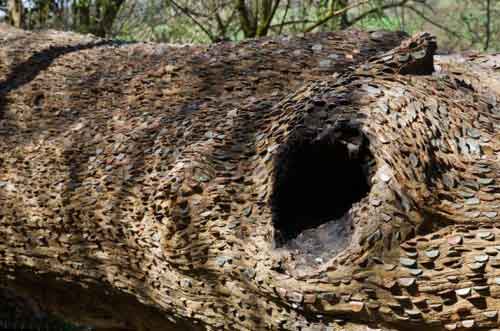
15	11
81	14
247	21
107	13
276	184
488	25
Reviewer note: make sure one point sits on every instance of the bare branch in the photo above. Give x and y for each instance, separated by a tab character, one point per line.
192	18
267	17
475	37
282	24
121	23
220	25
290	23
442	27
377	9
423	3
333	14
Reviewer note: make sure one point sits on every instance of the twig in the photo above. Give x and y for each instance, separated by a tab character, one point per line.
423	3
220	24
475	37
282	24
264	28
290	23
333	14
442	27
195	21
231	16
377	9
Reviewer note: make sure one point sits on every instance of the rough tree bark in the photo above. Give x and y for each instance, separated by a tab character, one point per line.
281	184
15	13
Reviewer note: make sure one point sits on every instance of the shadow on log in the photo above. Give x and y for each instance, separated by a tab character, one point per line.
295	183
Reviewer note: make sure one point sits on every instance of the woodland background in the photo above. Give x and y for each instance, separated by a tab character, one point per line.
459	24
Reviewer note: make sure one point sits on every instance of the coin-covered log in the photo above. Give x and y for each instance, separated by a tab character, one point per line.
294	183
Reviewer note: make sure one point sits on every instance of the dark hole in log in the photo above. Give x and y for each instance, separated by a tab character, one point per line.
316	184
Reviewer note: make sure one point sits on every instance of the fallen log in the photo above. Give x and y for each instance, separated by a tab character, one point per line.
292	183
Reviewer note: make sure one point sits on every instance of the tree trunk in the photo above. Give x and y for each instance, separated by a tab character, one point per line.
107	13
248	22
15	11
82	18
278	184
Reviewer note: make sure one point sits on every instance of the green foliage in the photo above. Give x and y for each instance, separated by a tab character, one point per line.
180	32
457	24
380	21
84	16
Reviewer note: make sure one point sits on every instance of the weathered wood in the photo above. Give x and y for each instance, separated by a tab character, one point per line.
149	186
